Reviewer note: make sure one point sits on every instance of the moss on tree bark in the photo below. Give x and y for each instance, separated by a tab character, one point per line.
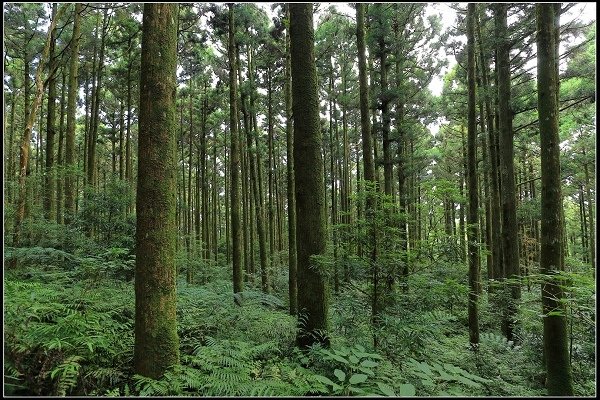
559	379
308	173
156	340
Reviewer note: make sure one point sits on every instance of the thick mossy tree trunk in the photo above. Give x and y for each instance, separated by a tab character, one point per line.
308	173
559	380
291	199
472	218
156	341
236	228
71	110
510	240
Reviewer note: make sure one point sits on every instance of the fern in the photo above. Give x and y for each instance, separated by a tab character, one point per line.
66	374
495	340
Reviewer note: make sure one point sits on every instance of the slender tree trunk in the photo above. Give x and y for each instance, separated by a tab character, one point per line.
95	118
291	198
236	229
508	194
257	187
308	170
190	205
461	217
11	151
128	160
214	240
60	155
496	249
156	341
122	141
272	225
368	160
592	226
49	175
559	380
472	219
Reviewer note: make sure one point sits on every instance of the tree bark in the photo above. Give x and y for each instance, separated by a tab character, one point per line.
368	160
60	178
496	246
156	341
472	219
510	238
308	165
236	229
559	381
291	198
49	179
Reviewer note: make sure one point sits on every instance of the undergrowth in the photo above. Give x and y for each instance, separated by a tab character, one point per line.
69	331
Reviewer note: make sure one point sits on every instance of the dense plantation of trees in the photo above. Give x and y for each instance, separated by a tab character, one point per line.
390	199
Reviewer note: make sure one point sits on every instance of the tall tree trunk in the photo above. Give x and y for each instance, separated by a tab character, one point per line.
49	175
71	115
204	178
156	341
559	380
461	215
272	225
60	155
592	241
510	239
403	232
496	249
10	170
190	205
236	229
472	219
122	141
308	166
291	198
128	160
257	187
368	161
385	117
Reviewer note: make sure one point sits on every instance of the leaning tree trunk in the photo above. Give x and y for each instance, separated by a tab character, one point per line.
559	380
156	341
308	165
31	115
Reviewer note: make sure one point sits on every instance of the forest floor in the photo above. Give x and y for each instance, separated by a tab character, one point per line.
69	330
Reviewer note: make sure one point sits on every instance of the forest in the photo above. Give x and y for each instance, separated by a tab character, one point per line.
273	199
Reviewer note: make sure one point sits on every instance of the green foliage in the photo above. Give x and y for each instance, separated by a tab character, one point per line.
356	372
105	210
230	368
441	378
67	340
